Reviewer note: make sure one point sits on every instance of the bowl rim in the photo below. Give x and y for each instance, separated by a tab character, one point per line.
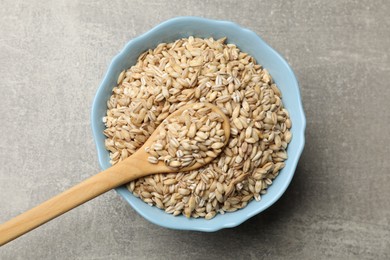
140	38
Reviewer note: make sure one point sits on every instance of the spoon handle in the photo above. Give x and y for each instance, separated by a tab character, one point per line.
113	177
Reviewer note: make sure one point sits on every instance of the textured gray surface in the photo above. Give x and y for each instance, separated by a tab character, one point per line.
53	56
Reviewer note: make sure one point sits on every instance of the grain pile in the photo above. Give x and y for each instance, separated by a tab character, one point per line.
197	135
201	70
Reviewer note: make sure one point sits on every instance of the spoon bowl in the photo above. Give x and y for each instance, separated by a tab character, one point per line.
160	167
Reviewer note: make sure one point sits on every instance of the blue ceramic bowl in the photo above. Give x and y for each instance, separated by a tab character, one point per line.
247	41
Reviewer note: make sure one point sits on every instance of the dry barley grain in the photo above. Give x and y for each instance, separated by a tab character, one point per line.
193	70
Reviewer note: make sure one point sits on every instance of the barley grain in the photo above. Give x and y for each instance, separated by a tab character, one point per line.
196	70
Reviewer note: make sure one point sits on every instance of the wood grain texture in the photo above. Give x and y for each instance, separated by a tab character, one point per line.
133	167
115	176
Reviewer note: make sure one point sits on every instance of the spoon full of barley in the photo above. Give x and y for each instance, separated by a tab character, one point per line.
179	144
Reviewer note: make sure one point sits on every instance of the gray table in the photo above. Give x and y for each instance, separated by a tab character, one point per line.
53	56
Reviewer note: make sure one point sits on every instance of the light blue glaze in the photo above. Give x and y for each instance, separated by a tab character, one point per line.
247	41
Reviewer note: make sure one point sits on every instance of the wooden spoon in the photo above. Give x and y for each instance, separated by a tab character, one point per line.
133	167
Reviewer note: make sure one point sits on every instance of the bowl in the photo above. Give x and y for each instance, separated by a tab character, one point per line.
247	41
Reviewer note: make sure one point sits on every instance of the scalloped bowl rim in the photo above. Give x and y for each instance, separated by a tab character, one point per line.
220	221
